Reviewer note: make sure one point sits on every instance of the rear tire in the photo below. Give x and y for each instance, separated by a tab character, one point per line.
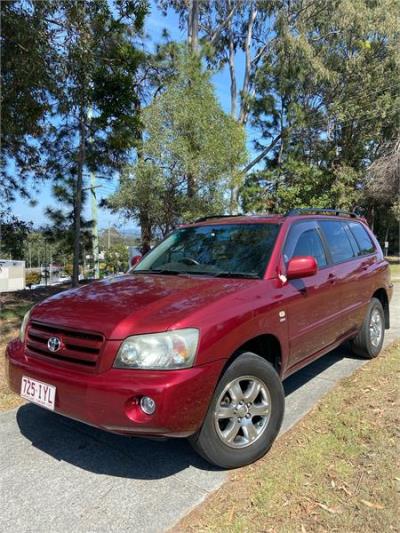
244	416
369	340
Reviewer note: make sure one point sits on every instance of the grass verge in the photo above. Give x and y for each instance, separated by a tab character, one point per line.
395	270
337	470
13	306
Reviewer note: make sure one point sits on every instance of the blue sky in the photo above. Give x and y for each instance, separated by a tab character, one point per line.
154	25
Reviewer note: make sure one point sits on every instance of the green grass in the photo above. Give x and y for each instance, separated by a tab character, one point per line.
15	313
337	470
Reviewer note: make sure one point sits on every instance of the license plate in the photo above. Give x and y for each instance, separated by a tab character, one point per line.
38	392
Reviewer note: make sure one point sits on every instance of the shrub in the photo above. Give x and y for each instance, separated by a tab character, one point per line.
68	269
32	278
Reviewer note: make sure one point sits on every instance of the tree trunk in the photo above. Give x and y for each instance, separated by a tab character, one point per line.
145	231
372	224
232	71
189	24
190	183
78	200
244	106
234	196
193	29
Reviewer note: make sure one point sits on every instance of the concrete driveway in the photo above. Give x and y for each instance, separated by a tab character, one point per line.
59	475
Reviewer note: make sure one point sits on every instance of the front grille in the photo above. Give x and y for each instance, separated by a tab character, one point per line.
77	347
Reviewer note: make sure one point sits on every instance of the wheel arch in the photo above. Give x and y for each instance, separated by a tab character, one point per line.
381	295
266	345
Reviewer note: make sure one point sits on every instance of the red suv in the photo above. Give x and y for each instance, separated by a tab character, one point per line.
196	339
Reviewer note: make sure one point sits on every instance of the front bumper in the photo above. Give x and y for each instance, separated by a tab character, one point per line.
110	399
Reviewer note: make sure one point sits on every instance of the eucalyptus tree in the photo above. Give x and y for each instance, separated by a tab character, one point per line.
230	32
319	85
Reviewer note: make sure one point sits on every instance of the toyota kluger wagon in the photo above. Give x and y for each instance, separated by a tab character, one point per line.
196	339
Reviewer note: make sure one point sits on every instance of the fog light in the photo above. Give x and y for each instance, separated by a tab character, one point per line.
148	405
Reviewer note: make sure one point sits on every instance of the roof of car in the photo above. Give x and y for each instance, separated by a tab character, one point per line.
237	219
296	214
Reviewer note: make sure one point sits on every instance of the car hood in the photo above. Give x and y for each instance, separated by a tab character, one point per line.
135	303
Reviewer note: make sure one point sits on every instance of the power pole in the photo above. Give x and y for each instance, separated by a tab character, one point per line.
95	230
46	271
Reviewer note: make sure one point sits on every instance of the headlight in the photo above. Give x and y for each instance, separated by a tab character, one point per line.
169	350
22	329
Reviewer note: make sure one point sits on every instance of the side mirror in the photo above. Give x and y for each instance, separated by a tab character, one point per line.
301	267
135	260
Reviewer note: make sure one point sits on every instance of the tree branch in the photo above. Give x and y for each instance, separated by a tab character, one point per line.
260	156
259	54
216	33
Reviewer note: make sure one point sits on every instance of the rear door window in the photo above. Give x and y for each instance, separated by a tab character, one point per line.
338	241
364	241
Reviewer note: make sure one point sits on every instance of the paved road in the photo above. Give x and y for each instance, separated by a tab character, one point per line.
59	475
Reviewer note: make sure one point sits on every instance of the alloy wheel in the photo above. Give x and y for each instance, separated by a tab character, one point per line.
242	411
375	328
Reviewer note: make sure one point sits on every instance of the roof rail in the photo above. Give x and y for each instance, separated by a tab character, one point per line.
203	219
320	211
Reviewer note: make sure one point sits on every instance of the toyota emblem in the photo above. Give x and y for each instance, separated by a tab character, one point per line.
54	344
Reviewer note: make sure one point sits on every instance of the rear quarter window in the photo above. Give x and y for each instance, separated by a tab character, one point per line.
338	242
362	238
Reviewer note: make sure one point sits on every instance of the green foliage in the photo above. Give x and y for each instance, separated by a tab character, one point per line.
68	269
141	189
191	153
80	94
13	232
116	259
25	87
60	231
93	123
39	249
328	91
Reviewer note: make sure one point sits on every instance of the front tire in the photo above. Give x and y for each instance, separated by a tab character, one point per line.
369	340
245	414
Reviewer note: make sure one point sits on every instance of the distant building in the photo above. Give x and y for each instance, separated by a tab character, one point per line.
12	275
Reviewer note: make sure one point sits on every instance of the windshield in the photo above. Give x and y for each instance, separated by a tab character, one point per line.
231	250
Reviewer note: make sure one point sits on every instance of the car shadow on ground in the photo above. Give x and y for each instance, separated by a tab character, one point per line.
100	452
313	370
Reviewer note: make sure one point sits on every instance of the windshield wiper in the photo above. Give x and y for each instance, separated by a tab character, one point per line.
157	271
171	272
167	271
248	275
